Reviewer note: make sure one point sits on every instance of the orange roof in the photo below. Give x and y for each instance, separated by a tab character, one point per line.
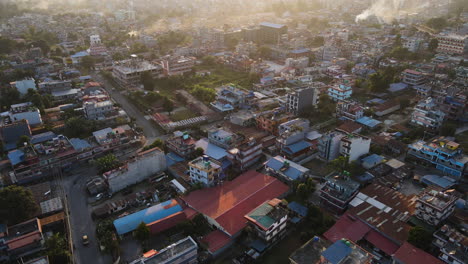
52	219
150	253
216	240
24	240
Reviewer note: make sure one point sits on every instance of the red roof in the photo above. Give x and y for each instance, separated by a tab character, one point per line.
227	204
24	240
216	240
347	227
166	223
381	242
409	254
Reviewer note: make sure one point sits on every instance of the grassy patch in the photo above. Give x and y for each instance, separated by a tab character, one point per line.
280	253
462	139
318	167
182	115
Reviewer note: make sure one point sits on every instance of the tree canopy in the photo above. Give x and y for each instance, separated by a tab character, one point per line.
107	163
16	205
142	232
420	237
57	249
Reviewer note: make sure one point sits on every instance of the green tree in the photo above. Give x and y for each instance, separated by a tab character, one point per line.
88	62
107	163
142	232
57	249
198	152
326	106
168	105
340	163
16	205
147	80
437	23
22	140
264	51
117	56
433	44
157	143
302	191
79	127
448	129
420	237
404	102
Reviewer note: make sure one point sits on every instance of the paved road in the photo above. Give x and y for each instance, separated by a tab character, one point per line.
149	129
80	216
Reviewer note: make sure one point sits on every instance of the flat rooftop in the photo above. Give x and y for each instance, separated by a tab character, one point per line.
340	187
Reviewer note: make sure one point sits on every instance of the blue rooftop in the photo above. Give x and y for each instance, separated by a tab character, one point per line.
80	54
293	172
160	211
396	87
337	252
296	147
210	149
16	156
369	122
444	182
79	144
172	158
376	101
273	25
43	137
298	51
298	208
372	160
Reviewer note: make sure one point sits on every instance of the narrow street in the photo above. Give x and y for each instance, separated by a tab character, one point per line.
149	129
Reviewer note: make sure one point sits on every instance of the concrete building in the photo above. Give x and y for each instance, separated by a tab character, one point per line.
286	169
452	44
350	110
411	44
337	193
24	85
25	111
245	154
128	73
181	143
354	146
302	99
300	123
95	40
97	110
413	78
23	239
329	145
443	153
52	86
269	121
340	92
452	244
177	65
427	114
433	205
229	97
269	220
205	171
270	33
184	251
223	138
143	166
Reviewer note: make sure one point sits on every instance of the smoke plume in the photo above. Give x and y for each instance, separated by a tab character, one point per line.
387	11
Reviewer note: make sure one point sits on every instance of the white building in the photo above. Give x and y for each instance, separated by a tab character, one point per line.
24	85
137	169
434	206
354	146
25	111
95	40
302	99
269	220
329	145
184	251
427	114
178	65
128	73
452	44
97	110
204	170
411	44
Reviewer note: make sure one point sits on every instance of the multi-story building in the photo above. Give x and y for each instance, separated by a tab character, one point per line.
269	220
286	169
340	92
181	143
177	65
135	170
52	86
445	154
455	107
413	78
205	171
302	99
128	73
223	138
411	44
25	111
453	245
298	123
350	110
271	33
338	192
354	146
434	205
24	85
452	44
24	239
184	251
269	121
229	97
427	114
97	110
246	154
292	141
329	145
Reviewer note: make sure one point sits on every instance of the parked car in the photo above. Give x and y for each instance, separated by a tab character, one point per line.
85	240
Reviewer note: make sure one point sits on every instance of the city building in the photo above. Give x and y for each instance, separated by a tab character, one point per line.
386	108
298	123
452	244
184	251
455	106
24	239
223	138
245	154
435	205
128	73
411	44
452	44
428	114
286	169
135	170
24	85
413	78
337	193
340	92
409	254
354	146
25	111
302	99
54	85
177	65
443	153
269	220
205	171
181	143
96	110
329	145
229	97
350	110
270	120
270	33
